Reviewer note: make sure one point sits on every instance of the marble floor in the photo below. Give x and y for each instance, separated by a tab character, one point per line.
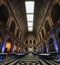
29	59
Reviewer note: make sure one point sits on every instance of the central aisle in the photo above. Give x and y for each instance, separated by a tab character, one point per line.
30	57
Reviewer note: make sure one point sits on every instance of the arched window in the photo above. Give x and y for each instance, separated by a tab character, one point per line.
55	13
34	41
42	31
47	26
12	27
17	34
27	42
4	14
30	41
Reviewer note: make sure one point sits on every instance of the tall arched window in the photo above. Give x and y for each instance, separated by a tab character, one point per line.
47	26
4	14
34	42
42	31
26	42
55	13
12	27
17	34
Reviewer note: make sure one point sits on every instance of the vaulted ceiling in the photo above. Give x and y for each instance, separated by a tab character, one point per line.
19	10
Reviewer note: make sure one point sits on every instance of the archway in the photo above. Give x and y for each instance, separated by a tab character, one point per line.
44	48
55	13
4	14
8	46
51	45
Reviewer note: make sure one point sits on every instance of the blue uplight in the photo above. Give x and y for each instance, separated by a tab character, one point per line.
55	44
3	46
47	49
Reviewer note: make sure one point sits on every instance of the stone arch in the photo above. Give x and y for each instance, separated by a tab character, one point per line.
55	12
4	14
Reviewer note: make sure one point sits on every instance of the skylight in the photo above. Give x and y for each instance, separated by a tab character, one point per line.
30	29
29	6
30	24
29	17
30	14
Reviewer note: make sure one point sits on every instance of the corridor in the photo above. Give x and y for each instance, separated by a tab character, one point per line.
29	32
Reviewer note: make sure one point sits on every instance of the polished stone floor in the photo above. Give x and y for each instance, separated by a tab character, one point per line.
29	59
